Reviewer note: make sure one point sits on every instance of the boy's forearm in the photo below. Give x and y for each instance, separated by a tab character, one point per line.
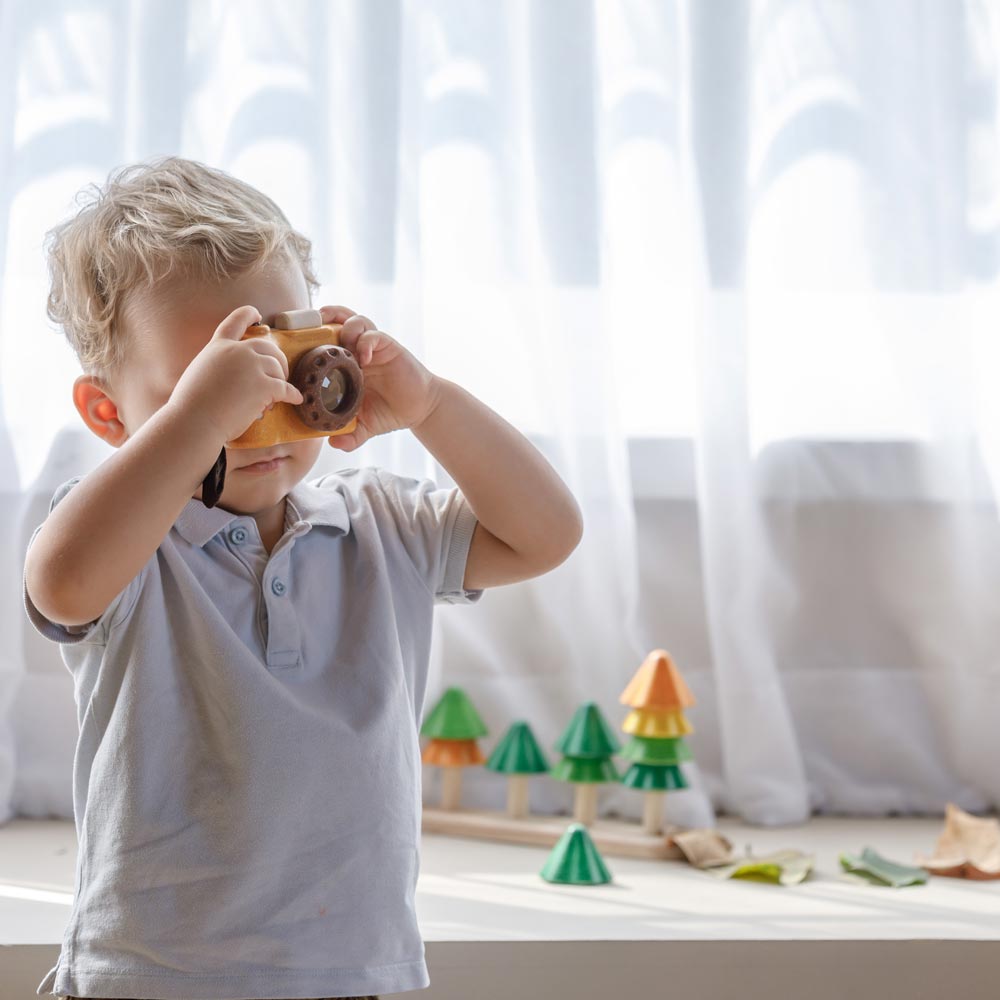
512	489
101	534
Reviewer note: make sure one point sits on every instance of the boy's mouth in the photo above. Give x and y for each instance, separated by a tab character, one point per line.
264	465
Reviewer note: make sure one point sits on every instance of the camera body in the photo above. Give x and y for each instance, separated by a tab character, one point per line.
327	375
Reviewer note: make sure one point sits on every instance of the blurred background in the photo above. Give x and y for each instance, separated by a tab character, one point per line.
731	265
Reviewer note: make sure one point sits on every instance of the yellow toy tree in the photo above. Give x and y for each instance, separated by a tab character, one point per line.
657	695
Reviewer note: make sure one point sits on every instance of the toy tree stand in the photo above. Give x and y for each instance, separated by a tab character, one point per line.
518	755
453	726
657	695
587	745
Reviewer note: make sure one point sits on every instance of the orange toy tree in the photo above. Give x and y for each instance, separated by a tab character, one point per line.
453	726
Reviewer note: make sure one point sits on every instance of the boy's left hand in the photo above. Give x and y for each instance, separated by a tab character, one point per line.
399	390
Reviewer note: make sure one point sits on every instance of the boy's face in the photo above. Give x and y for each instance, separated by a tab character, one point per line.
164	328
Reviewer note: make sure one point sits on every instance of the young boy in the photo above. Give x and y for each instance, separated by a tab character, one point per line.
250	676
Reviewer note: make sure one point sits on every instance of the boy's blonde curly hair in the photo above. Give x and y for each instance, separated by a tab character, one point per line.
149	217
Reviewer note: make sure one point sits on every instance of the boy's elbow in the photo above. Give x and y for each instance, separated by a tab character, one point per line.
574	538
53	602
575	530
570	537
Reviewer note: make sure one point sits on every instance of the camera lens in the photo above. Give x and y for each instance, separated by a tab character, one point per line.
332	387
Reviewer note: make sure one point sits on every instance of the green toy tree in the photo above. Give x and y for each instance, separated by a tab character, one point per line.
657	695
587	745
518	755
453	726
575	860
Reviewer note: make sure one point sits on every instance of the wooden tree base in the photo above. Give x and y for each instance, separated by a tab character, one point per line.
611	836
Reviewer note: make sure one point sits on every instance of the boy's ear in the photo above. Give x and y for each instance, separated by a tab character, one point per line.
98	410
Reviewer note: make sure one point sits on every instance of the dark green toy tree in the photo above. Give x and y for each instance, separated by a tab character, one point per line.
575	860
518	755
587	745
453	726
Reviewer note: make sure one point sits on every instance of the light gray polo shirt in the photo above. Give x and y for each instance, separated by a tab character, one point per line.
247	781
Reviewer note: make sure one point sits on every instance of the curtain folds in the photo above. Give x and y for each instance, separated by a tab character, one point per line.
731	267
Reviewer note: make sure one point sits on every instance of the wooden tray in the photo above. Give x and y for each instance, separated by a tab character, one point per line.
611	836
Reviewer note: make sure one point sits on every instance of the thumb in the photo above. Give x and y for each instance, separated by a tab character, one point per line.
235	324
343	442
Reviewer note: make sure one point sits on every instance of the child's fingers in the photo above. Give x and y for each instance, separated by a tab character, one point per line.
270	350
285	392
362	321
335	314
367	345
352	330
343	442
236	323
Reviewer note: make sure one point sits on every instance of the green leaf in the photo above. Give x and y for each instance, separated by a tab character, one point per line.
872	867
780	868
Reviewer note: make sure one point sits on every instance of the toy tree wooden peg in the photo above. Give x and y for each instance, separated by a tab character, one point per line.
453	726
587	746
518	755
658	696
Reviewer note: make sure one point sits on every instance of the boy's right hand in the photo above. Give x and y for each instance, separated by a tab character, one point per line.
232	382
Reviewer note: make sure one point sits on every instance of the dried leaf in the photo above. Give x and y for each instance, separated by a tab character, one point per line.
703	847
969	846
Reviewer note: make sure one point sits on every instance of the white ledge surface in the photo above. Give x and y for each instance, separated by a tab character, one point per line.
486	916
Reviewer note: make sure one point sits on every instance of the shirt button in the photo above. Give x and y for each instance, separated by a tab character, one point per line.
238	536
277	587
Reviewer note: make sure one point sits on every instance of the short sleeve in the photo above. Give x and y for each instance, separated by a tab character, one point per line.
95	631
437	524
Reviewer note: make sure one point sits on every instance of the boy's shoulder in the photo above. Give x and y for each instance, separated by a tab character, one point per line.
378	489
427	525
98	630
369	487
360	478
61	490
344	495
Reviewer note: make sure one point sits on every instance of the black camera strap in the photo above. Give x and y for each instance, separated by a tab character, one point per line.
211	487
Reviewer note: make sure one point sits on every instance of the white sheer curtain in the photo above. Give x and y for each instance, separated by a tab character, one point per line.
731	266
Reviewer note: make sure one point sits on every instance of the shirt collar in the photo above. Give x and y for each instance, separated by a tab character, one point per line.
308	504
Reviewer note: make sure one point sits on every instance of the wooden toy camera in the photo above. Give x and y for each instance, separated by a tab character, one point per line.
327	375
